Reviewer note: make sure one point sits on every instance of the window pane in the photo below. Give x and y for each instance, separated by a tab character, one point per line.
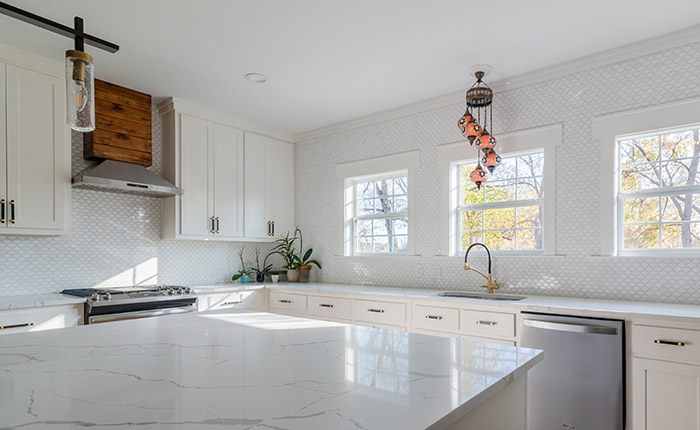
469	237
380	227
499	191
529	216
681	208
400	244
365	190
505	171
641	236
364	244
531	165
681	235
499	218
381	244
503	240
640	150
678	145
472	220
364	228
640	177
641	210
530	188
382	188
680	173
365	207
400	204
400	186
471	195
530	238
400	226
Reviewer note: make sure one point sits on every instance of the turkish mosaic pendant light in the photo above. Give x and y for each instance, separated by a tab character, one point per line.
479	175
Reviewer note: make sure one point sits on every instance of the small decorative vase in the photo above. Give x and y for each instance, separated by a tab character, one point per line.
275	278
304	273
259	278
292	275
245	279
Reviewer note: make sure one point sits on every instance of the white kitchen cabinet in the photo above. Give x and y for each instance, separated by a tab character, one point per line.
41	318
205	159
34	153
269	187
251	300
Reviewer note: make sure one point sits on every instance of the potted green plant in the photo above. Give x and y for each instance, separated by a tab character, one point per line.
285	247
242	274
303	261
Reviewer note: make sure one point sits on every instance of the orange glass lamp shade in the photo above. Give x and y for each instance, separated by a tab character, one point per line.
479	176
485	141
462	123
491	161
474	130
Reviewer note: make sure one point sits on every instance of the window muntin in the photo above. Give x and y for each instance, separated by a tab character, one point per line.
380	223
506	214
659	191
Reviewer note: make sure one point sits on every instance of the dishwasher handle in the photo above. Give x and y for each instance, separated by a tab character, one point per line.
570	327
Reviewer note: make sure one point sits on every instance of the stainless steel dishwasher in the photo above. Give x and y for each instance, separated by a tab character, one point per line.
580	384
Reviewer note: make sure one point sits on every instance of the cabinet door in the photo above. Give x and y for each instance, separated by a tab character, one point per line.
197	202
255	221
279	186
3	151
37	174
228	180
666	395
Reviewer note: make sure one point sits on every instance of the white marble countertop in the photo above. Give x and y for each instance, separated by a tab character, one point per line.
238	370
38	300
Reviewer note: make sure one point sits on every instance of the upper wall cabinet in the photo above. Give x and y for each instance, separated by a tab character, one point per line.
269	187
34	150
205	159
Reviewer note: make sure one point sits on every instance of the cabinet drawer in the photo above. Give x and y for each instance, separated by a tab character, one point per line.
330	307
234	300
289	302
487	324
436	318
44	318
379	312
679	345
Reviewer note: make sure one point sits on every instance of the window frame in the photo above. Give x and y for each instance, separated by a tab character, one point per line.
458	208
652	192
450	155
351	173
607	129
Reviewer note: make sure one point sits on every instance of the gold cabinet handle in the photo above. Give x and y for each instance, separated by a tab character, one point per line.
379	311
237	302
434	317
12	211
669	342
212	230
217	224
273	228
269	228
5	327
489	323
284	301
326	305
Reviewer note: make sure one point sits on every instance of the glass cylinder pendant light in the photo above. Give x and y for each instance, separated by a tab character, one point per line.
80	91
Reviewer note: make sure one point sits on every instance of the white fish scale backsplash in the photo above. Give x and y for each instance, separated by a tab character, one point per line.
115	240
572	101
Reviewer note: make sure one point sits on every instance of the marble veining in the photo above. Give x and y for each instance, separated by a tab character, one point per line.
245	370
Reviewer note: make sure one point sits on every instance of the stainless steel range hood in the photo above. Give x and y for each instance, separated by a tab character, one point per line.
119	177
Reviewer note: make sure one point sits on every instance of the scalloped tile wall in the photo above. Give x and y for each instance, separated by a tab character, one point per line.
572	101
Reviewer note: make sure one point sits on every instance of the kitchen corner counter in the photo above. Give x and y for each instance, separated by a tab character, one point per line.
237	370
38	300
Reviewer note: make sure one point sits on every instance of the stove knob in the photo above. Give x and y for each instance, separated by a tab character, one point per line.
107	296
95	297
188	290
171	291
180	291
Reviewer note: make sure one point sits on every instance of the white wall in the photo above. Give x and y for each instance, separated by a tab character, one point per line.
572	101
114	241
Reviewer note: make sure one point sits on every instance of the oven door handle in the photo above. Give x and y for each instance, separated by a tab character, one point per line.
139	314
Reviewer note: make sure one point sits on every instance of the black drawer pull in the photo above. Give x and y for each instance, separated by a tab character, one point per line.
379	311
12	211
325	305
669	342
2	211
238	302
284	301
434	317
489	323
217	224
5	327
212	229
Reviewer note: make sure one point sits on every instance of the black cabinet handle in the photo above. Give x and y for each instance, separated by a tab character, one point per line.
211	229
5	327
2	211
269	227
12	211
273	228
217	224
669	342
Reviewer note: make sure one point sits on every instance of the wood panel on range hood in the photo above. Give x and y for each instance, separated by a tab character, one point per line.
122	126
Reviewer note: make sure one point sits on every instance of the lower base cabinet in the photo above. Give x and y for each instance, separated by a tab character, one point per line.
251	300
41	318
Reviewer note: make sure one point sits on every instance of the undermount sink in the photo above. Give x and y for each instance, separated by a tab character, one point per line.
480	296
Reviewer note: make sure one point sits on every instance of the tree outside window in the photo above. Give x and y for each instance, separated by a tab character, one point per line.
381	215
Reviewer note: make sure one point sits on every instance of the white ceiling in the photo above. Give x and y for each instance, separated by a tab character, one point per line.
329	60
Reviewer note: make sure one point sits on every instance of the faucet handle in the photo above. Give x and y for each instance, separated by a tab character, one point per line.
466	267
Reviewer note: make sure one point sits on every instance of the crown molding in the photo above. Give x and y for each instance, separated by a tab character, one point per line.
610	56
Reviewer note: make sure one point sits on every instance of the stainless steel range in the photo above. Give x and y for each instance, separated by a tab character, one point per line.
124	303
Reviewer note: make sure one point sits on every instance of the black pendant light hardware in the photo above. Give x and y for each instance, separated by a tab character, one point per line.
76	33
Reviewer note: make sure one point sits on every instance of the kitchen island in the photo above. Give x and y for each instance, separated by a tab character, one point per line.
242	370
